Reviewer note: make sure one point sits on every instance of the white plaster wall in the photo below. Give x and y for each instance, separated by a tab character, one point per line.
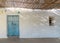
34	24
3	26
3	21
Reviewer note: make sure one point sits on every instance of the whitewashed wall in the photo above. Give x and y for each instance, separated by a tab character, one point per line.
3	20
33	24
3	29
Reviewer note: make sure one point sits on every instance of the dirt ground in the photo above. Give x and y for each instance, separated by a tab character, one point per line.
30	40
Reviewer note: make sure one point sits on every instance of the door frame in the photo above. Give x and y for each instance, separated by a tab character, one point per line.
18	26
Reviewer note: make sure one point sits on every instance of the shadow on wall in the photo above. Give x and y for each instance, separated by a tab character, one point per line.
35	24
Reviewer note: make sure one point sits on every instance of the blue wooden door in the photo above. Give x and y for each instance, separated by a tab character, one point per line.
13	25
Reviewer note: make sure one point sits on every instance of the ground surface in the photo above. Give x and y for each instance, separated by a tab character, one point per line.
30	40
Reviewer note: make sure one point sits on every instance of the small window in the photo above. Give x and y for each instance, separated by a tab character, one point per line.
51	21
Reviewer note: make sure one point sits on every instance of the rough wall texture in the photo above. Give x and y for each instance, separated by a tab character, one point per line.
36	24
33	23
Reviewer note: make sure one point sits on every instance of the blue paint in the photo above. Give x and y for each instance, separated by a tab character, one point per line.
13	25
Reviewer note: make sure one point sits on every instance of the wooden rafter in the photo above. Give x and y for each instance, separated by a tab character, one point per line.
2	3
33	4
49	4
